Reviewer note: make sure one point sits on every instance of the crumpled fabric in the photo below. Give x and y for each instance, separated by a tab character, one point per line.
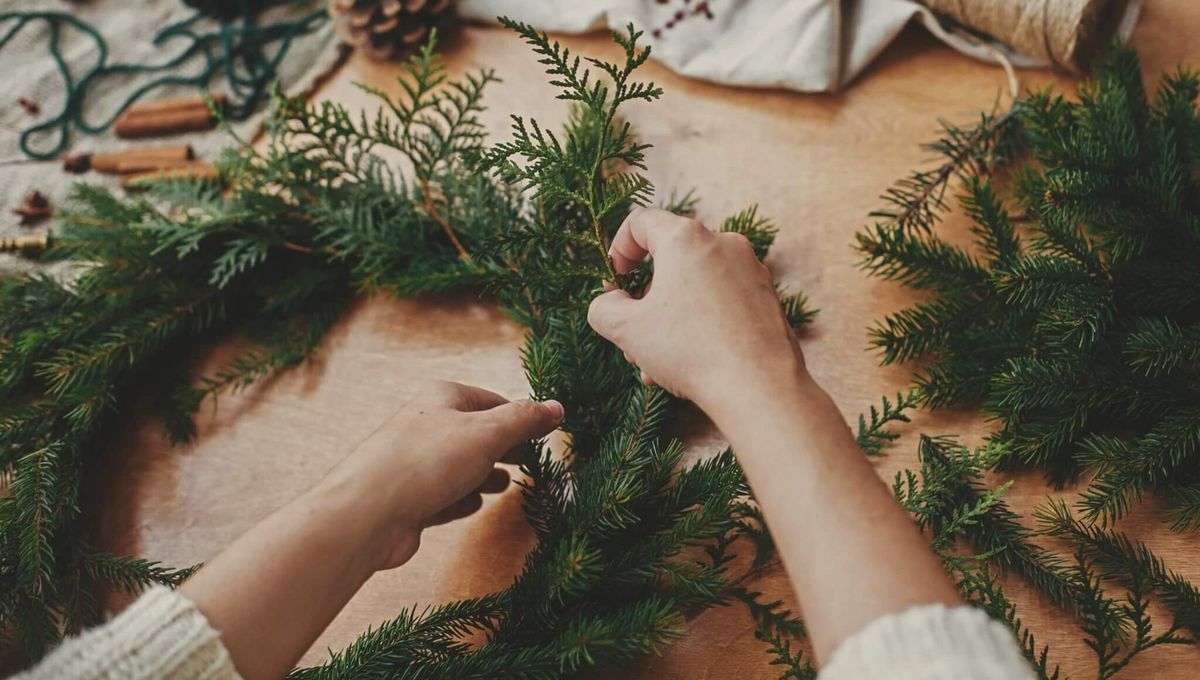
805	45
27	70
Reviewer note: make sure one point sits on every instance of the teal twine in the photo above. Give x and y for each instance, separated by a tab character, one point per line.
237	48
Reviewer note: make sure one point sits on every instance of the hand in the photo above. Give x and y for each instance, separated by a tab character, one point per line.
710	328
710	319
429	463
273	591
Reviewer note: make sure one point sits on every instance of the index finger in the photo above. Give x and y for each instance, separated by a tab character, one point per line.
639	235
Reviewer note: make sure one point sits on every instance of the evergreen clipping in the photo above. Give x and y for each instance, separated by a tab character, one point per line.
1075	320
1069	322
1106	581
628	544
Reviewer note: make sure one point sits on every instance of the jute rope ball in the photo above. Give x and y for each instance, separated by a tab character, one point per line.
1065	33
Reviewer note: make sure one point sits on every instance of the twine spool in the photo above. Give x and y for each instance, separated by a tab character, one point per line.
1064	33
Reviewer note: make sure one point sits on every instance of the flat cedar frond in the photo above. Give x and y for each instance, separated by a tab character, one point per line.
576	175
872	437
778	628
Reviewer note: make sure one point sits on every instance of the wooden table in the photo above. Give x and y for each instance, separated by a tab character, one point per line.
814	162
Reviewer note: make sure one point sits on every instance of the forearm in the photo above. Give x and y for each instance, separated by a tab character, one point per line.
852	553
272	592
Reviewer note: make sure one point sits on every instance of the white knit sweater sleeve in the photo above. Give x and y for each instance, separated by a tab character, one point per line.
161	635
930	642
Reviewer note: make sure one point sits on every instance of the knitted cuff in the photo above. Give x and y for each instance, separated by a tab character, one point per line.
930	642
161	635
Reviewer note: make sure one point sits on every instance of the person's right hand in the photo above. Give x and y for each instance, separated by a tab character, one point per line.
710	319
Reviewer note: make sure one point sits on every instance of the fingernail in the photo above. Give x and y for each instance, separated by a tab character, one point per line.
555	408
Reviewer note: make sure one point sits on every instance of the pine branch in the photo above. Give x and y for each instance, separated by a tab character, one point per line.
916	202
1125	560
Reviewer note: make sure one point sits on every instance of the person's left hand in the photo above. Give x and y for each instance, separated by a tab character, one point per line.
429	463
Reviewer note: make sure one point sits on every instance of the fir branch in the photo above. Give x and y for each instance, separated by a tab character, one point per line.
132	574
1076	332
916	202
981	589
36	490
1125	561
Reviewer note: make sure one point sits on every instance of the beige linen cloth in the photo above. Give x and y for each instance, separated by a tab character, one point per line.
806	45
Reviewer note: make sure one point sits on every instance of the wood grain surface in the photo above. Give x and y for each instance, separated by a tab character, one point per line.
816	163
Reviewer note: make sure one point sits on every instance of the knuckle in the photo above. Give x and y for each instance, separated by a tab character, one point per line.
736	242
692	228
687	232
531	410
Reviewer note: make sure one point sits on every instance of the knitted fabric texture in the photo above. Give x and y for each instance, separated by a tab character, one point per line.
931	642
161	635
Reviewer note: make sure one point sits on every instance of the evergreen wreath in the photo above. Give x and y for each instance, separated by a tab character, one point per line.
628	545
1076	321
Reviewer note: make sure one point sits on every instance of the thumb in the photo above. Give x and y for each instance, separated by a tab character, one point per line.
608	313
518	421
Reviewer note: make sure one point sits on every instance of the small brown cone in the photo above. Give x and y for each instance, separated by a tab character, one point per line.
386	29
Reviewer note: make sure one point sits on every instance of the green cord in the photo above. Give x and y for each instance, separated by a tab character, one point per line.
234	45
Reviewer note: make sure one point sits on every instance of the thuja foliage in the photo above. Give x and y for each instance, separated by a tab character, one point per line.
1074	319
629	542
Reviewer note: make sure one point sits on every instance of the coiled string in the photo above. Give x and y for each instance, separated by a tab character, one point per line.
238	47
1064	33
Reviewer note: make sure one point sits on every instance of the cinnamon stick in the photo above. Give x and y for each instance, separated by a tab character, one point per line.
159	106
138	160
193	169
140	165
25	245
167	122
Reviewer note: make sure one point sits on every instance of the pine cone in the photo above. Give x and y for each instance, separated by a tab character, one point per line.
385	29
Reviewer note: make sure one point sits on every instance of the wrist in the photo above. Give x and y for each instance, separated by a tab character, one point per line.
369	528
759	391
787	419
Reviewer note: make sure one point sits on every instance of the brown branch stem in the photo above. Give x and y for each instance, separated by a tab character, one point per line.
431	210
